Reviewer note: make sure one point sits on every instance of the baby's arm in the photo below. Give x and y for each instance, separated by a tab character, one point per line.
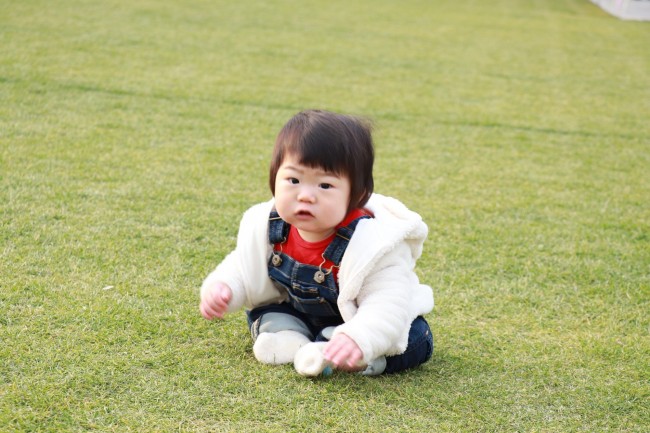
383	315
243	270
214	301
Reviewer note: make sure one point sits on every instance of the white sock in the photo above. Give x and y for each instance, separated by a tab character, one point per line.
309	360
278	347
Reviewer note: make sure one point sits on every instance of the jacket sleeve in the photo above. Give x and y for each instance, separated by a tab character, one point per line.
244	269
384	312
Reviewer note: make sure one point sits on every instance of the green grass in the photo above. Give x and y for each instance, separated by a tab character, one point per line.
134	134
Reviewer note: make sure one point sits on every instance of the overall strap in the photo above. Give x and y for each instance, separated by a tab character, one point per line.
335	250
278	229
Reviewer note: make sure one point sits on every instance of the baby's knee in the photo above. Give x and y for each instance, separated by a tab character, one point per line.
275	322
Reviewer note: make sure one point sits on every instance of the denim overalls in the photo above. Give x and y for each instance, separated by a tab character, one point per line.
313	292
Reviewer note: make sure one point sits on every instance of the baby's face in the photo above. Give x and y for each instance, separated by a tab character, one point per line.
311	199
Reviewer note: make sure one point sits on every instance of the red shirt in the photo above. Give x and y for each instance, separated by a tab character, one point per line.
311	253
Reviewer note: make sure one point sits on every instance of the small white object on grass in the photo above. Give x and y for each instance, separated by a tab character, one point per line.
309	360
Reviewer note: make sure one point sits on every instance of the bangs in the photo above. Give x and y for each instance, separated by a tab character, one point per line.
323	150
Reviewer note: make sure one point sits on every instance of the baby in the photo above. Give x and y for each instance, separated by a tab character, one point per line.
326	267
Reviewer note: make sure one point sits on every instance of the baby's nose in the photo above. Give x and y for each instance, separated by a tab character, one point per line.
306	194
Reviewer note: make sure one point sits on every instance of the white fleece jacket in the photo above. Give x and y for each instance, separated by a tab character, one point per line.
379	292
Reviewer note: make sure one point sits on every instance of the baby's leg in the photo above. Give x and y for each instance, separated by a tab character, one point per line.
418	351
278	336
310	361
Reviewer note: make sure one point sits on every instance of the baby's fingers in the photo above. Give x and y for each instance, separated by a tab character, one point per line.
207	312
337	353
210	309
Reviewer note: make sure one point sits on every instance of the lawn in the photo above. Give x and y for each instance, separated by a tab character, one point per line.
133	134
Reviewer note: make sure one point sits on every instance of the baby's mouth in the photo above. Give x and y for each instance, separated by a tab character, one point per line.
304	213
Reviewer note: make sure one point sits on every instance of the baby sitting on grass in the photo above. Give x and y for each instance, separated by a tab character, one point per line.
326	267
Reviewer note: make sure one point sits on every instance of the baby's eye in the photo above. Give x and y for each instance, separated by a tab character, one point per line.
325	185
293	180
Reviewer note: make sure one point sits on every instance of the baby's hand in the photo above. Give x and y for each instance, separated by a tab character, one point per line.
344	353
215	302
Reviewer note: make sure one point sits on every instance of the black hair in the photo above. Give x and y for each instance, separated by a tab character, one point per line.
337	143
